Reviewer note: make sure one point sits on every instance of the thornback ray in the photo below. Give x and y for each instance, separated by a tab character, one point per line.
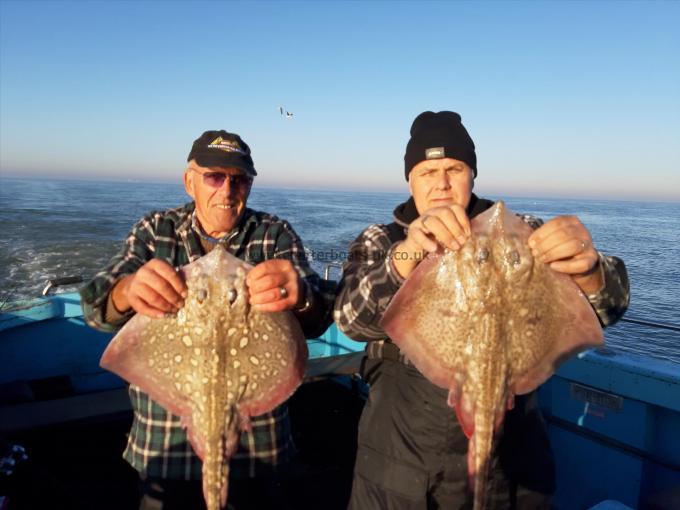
214	364
488	322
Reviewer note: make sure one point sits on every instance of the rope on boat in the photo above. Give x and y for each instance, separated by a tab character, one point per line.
660	325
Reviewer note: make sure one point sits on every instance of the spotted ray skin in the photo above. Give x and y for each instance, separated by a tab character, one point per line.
489	322
214	364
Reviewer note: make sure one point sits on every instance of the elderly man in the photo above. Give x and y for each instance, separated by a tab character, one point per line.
142	278
412	451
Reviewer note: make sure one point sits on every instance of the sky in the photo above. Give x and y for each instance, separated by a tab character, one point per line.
574	99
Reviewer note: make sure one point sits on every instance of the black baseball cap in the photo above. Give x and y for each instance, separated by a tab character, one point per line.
221	148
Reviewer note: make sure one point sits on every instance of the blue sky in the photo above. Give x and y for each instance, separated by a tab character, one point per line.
576	99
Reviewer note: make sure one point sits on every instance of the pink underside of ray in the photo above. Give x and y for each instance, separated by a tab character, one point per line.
121	357
585	331
465	412
283	391
401	332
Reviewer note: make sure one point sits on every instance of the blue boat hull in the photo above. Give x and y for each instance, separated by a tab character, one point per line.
614	419
614	424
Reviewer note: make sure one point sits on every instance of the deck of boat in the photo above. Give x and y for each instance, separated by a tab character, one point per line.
78	465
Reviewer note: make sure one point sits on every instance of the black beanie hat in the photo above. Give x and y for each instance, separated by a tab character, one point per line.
439	135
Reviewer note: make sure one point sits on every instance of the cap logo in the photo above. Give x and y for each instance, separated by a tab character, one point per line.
226	145
434	153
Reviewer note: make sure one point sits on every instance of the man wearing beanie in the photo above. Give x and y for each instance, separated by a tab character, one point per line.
412	453
142	278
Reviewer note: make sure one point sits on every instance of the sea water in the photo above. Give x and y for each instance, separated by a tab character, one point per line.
55	228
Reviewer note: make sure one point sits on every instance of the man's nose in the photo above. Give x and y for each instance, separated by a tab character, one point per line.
443	180
227	185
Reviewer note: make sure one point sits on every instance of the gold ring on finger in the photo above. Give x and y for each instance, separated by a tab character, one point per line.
283	293
422	222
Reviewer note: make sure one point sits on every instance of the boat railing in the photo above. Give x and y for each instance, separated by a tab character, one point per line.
650	324
70	280
56	282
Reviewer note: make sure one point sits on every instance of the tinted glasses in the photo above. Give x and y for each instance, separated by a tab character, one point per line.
216	179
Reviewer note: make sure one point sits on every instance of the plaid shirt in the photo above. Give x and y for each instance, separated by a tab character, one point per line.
157	444
370	281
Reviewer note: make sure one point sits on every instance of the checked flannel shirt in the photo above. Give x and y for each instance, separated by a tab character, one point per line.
157	444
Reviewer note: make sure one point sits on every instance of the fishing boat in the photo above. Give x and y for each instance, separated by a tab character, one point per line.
613	418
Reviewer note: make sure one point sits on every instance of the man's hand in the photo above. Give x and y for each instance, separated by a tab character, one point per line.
154	290
266	281
437	228
565	243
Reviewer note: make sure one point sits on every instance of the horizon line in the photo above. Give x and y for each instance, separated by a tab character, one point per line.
528	194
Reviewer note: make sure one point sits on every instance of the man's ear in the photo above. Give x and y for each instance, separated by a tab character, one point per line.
189	182
410	187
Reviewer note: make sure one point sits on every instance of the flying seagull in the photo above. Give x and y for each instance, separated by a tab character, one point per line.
288	114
